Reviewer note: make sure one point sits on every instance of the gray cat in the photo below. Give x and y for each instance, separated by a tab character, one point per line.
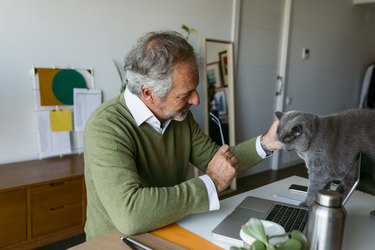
329	144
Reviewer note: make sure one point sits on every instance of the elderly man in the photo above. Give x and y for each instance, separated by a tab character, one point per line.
138	145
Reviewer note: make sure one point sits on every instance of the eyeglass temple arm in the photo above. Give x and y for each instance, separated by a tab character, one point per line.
218	123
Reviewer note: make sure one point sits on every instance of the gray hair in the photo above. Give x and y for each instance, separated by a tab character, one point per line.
152	59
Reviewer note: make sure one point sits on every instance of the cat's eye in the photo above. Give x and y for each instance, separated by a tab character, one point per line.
297	130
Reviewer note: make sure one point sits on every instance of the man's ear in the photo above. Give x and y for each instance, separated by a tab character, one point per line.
146	94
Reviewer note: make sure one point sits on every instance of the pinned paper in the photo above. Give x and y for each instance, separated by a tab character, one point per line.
51	143
61	120
85	102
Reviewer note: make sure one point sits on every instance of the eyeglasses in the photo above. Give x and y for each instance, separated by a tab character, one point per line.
218	123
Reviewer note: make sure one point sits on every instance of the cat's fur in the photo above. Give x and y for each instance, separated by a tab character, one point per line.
328	145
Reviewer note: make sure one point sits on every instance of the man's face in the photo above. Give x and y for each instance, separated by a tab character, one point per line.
183	94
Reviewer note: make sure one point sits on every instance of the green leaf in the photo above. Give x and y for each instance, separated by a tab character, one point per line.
297	235
255	229
258	245
290	244
278	236
192	30
272	247
188	31
121	73
184	27
237	248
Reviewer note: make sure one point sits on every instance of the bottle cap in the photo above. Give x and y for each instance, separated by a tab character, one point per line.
329	198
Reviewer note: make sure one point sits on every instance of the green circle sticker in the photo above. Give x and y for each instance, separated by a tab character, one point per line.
63	84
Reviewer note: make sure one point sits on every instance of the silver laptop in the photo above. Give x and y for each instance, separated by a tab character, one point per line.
291	217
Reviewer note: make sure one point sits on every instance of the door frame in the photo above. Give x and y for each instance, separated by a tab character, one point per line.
281	78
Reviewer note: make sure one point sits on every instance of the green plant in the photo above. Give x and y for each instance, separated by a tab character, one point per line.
188	31
121	74
296	240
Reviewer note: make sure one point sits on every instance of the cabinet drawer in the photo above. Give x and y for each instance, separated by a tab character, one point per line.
12	217
56	193
52	219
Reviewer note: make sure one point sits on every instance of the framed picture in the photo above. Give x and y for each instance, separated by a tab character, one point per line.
214	75
223	55
220	100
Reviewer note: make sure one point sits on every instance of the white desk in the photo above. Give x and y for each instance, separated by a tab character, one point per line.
359	227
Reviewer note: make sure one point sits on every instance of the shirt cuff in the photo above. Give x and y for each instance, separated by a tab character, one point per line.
213	198
260	150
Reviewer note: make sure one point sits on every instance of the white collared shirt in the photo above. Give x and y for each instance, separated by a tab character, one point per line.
142	113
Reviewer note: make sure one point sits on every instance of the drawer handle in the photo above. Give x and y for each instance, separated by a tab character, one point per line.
57	208
57	183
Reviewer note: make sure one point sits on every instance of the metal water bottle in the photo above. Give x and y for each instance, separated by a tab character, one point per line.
326	222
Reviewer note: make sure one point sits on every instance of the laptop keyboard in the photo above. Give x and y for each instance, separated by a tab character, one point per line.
291	218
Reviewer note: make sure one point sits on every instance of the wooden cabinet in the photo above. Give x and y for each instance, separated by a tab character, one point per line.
41	202
13	217
60	202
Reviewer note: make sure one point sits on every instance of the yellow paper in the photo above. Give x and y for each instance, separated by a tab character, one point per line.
61	120
183	237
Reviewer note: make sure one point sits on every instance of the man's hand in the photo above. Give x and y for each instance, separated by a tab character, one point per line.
222	168
270	137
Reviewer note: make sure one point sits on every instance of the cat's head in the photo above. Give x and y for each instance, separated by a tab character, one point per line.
295	130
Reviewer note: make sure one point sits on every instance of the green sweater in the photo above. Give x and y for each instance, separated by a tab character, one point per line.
136	177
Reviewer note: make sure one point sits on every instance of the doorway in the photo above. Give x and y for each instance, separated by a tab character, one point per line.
261	66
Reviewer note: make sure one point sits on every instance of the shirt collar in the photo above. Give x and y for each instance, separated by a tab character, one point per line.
141	113
137	108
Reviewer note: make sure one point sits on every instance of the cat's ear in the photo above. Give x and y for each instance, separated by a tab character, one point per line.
279	114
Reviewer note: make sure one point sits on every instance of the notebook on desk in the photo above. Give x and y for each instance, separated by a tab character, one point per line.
291	217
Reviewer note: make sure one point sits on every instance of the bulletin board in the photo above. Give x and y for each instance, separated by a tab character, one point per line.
64	99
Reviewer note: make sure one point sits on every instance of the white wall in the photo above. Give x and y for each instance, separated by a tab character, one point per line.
84	33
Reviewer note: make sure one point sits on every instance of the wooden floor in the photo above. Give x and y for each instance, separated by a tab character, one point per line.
243	184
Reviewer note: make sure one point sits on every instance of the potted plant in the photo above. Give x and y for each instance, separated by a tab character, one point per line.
188	31
294	240
121	74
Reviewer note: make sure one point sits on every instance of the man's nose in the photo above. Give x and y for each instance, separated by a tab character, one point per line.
194	98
